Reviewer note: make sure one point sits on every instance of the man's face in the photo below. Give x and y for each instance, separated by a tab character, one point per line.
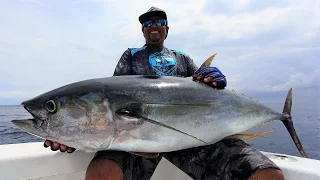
155	35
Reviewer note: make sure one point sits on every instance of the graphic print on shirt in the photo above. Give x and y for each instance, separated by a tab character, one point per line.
162	64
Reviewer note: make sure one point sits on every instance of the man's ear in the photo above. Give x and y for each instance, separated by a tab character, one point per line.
142	32
167	28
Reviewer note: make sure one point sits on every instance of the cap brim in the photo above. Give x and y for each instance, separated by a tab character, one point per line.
144	17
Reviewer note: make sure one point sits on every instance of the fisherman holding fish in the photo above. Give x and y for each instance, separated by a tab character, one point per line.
230	158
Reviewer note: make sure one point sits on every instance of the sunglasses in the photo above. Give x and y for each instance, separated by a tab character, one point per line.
158	22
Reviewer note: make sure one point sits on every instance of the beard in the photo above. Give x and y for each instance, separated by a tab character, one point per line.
155	37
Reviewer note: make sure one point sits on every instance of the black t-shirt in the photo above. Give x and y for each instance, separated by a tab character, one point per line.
155	60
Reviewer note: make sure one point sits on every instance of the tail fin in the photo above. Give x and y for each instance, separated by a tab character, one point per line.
287	121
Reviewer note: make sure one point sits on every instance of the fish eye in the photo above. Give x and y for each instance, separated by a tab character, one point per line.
50	106
125	112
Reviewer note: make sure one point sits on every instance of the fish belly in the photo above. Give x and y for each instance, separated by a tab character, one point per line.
185	126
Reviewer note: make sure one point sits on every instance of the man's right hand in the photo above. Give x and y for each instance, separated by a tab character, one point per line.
54	146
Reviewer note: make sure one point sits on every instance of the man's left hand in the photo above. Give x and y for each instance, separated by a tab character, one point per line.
211	76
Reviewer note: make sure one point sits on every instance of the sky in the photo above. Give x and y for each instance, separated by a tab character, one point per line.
263	47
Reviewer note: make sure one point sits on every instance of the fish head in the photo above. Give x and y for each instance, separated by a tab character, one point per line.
74	117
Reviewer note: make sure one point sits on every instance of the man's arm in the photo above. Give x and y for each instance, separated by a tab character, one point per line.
209	75
191	66
124	66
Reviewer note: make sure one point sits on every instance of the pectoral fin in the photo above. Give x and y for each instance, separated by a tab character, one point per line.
248	137
135	110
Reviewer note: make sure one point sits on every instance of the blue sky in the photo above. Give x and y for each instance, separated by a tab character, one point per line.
263	47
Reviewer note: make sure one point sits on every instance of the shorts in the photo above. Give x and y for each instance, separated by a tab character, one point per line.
229	158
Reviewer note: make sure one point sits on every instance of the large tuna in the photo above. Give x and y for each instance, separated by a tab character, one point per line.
146	114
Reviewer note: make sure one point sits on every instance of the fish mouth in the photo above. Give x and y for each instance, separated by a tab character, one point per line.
37	121
28	122
31	126
23	122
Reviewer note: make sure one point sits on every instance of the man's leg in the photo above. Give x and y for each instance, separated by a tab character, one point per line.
103	169
267	174
245	162
120	165
227	159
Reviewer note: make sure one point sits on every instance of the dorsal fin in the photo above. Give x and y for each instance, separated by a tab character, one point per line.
208	61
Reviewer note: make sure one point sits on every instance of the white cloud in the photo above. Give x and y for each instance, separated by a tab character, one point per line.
20	94
299	80
44	44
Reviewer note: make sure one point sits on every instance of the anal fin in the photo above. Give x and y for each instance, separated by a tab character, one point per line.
248	137
147	155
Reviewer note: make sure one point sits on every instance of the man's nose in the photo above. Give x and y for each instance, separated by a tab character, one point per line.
154	25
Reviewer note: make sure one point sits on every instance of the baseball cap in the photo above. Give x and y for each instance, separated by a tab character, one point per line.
153	11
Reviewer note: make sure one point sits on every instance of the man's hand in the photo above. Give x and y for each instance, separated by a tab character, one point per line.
54	146
211	76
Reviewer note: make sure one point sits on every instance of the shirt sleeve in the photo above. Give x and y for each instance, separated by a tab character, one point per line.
124	66
191	66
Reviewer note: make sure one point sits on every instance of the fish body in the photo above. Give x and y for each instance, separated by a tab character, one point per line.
147	114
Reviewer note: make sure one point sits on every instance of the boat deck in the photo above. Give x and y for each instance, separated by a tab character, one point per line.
33	161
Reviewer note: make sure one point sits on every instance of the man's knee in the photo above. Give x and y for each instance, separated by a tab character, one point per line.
101	168
268	173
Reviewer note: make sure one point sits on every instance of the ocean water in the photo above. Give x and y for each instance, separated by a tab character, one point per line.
306	122
10	134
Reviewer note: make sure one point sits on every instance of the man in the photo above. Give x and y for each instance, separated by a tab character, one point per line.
227	159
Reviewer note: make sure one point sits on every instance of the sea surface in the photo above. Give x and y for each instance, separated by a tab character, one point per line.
306	122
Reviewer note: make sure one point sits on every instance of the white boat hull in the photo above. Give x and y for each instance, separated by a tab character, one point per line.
33	161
